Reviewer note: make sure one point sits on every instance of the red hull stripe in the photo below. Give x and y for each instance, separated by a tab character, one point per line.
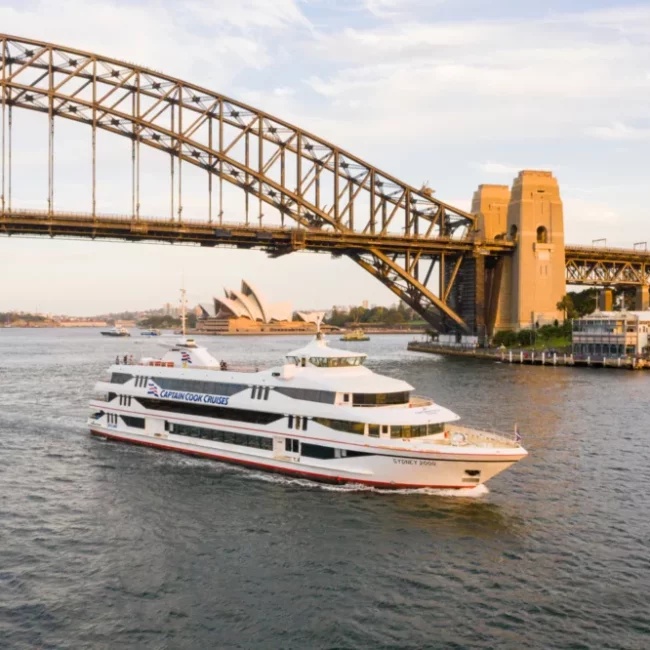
274	468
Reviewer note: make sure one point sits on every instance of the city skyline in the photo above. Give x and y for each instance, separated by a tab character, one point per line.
512	88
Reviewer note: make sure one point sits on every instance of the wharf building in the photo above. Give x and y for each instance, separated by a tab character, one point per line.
611	334
247	312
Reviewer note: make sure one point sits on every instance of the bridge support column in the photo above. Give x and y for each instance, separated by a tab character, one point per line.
479	298
605	300
642	298
490	205
536	222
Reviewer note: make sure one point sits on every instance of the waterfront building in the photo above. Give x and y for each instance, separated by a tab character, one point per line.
248	312
611	334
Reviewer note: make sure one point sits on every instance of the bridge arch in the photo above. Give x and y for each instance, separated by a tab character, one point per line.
322	188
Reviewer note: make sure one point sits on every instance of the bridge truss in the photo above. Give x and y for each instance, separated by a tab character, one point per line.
607	267
334	201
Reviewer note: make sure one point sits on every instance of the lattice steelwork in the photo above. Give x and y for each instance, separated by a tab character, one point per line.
283	171
607	266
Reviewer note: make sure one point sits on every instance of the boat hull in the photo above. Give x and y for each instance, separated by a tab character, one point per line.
380	471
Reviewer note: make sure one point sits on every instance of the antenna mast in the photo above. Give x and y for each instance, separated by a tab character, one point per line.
183	305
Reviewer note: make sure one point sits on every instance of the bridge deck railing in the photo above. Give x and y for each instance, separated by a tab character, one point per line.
205	223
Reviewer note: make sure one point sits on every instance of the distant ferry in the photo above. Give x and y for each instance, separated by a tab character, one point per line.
321	415
116	331
150	332
355	335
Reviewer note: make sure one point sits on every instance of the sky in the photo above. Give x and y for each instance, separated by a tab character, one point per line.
451	92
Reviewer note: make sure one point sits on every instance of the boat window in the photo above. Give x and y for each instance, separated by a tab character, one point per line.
327	453
292	446
415	431
267	390
307	394
373	430
380	399
243	439
346	397
210	411
138	423
253	392
336	362
342	425
120	378
290	424
194	386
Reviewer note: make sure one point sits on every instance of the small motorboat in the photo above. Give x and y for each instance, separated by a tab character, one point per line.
355	335
116	331
150	332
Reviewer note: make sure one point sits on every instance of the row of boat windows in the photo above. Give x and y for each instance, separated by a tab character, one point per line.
377	430
211	411
328	362
194	386
262	392
229	437
380	399
308	394
113	418
125	400
291	445
296	422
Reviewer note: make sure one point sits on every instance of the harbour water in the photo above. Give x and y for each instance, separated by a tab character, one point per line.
110	546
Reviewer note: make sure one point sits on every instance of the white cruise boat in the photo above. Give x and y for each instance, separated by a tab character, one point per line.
321	415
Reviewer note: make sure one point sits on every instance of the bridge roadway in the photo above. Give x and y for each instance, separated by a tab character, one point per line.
277	239
585	265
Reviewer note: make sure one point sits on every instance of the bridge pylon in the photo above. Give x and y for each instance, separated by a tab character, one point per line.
526	286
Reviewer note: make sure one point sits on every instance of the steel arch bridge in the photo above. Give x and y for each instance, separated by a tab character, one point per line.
298	191
333	200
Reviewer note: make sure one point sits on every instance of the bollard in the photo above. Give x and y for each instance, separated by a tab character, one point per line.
521	356
589	360
510	356
555	358
543	358
619	362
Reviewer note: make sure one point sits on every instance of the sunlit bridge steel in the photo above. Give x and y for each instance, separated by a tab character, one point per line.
297	191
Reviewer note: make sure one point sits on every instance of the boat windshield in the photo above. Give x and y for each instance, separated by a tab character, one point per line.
330	362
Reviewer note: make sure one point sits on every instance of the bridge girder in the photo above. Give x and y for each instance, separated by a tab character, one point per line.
285	169
607	267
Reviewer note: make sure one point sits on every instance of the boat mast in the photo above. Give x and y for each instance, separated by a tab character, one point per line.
183	304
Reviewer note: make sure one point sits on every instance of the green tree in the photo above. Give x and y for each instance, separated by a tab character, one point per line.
566	307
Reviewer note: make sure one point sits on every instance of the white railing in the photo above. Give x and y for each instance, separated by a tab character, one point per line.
497	437
417	401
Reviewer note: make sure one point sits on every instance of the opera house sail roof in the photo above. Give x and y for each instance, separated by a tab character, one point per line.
249	303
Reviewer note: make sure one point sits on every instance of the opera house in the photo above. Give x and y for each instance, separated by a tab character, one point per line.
247	312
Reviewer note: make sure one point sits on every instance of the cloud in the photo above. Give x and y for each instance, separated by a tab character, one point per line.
533	78
618	131
208	42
